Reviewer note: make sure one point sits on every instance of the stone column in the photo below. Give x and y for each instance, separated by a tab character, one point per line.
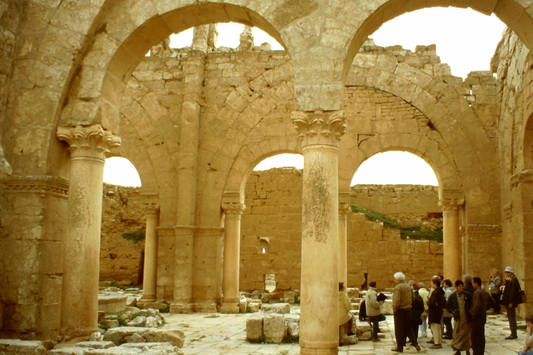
88	148
452	238
344	210
150	252
319	327
232	249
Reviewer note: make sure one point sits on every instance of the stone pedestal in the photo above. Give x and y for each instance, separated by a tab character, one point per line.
150	253
88	148
232	238
452	255
319	323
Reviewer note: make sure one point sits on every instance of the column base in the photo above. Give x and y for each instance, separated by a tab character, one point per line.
205	307
229	308
184	308
307	351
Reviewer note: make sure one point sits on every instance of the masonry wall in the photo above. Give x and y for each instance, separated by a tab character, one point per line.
273	214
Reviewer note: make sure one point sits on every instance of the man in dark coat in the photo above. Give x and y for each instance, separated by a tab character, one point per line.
436	304
479	317
511	299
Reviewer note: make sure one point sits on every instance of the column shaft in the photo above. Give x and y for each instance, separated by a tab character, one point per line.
232	248
319	324
150	255
88	146
452	243
343	244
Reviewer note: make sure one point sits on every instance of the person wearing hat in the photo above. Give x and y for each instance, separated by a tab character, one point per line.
511	299
373	309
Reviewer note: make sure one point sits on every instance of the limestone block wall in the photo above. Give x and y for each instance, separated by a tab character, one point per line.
121	259
272	221
512	62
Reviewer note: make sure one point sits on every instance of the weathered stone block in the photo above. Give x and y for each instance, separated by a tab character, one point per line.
254	329
274	329
281	308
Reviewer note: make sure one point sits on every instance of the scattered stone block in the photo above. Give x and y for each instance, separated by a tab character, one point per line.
254	329
95	344
175	337
243	303
155	305
281	308
386	308
117	350
274	329
71	350
114	303
96	336
21	347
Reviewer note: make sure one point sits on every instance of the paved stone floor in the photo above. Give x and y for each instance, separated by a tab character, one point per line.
224	334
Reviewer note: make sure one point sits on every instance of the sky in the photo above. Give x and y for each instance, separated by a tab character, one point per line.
465	39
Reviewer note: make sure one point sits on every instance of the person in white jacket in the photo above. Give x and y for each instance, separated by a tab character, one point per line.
373	309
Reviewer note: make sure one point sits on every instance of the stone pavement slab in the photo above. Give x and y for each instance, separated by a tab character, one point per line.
225	334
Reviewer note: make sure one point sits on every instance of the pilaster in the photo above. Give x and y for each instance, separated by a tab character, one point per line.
88	146
320	132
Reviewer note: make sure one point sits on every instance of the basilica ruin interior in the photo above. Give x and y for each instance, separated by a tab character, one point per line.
84	80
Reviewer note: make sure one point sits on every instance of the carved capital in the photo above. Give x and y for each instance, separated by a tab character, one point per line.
233	208
451	204
344	209
320	127
88	141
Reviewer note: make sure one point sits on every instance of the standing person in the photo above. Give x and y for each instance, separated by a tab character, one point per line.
494	288
511	299
467	279
459	305
417	308
373	309
479	317
424	293
447	316
436	304
528	345
345	317
401	306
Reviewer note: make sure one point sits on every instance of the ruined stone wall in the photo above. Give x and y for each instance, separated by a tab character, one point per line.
512	62
272	220
121	259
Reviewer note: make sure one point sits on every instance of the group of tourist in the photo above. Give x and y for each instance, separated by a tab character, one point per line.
416	308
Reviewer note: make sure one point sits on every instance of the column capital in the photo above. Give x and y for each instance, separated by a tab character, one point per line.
451	204
233	208
344	209
88	141
320	127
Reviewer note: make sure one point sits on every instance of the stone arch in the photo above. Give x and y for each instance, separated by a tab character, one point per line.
452	117
515	15
130	30
252	154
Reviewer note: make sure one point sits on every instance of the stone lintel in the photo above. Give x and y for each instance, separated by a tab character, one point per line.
43	184
319	127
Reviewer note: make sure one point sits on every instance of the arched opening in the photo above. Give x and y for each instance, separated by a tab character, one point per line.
123	227
120	171
397	221
271	227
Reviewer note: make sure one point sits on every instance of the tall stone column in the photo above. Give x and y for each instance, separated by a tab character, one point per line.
150	251
319	327
232	248
88	148
344	210
452	238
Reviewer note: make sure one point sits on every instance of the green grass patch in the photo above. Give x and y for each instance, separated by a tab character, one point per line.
407	232
134	237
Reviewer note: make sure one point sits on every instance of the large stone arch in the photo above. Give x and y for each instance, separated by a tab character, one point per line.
453	119
515	15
